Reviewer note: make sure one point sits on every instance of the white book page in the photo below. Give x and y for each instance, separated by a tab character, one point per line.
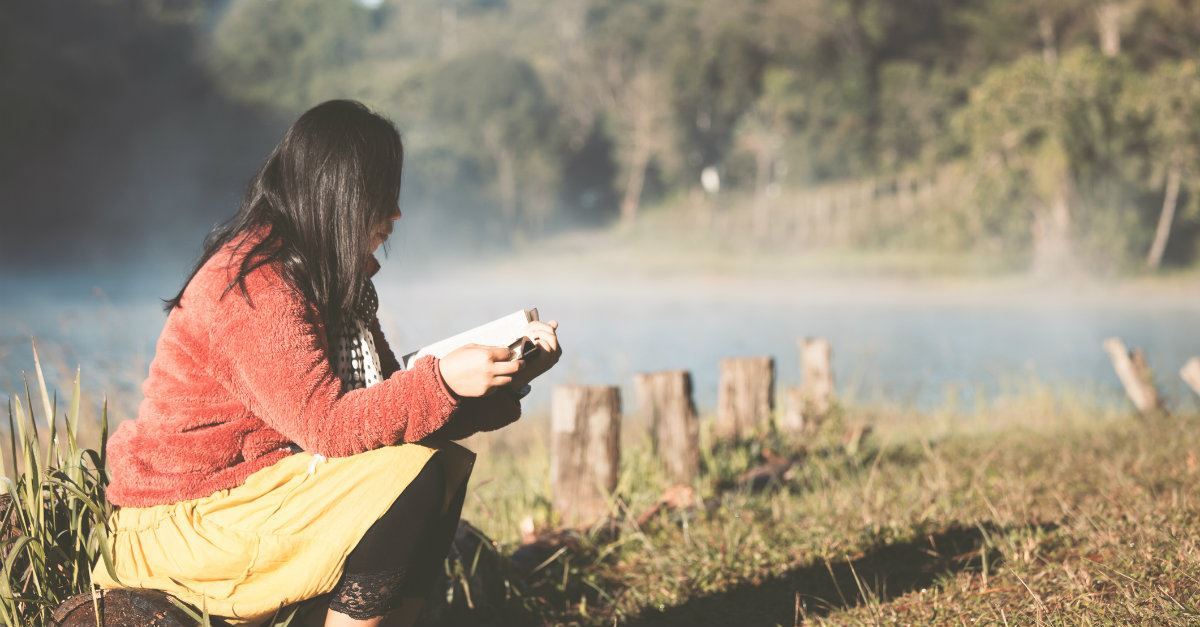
499	332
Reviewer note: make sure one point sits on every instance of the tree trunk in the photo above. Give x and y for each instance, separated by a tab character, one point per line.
1165	218
632	199
1049	43
639	105
1108	27
665	399
585	451
1052	234
763	161
744	398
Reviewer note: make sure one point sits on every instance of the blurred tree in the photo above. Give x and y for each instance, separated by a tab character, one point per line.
1112	19
1169	102
1162	30
288	54
1039	126
714	82
915	104
497	103
595	106
763	131
626	39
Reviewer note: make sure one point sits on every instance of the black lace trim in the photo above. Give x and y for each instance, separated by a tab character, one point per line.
368	595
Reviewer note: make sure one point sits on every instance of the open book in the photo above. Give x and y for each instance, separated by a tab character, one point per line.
507	331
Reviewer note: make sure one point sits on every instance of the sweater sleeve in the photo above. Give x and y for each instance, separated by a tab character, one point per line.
473	414
274	356
483	413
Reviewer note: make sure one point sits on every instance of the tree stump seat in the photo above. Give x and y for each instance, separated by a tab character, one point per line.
125	607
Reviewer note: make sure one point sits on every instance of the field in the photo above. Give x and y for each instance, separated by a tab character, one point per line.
1040	508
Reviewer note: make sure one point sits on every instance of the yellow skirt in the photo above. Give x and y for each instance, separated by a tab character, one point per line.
281	537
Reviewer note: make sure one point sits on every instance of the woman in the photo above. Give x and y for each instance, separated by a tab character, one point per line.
280	453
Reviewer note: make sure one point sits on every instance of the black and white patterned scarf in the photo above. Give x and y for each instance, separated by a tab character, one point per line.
352	351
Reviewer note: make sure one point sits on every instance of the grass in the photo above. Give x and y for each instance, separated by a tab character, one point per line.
1047	510
54	500
1042	508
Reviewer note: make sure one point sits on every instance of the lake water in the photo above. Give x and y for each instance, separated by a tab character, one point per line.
908	343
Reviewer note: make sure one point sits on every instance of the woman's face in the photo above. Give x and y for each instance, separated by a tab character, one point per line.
384	229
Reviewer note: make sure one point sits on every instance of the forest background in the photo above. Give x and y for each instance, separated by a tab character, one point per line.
1004	136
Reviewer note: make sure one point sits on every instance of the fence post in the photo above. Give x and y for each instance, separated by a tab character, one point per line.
745	396
1190	373
806	404
585	450
1135	376
665	398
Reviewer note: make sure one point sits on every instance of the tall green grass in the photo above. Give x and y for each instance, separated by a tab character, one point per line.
53	509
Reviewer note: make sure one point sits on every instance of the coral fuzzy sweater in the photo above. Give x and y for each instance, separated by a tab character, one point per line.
232	386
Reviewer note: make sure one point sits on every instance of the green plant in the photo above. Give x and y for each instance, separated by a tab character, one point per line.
52	529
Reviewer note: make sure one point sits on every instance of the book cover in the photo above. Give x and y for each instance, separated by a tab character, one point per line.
504	331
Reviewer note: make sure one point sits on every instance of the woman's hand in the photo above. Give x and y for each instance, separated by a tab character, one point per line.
475	370
545	335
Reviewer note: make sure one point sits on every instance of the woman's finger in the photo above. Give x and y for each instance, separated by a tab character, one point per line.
538	324
507	367
500	380
540	335
544	332
551	340
548	344
499	353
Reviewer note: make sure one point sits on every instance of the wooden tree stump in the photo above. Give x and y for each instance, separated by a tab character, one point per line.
816	371
794	417
805	405
585	450
1135	375
745	396
665	399
1190	373
123	607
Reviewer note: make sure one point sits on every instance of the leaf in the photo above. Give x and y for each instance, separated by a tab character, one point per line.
73	416
37	366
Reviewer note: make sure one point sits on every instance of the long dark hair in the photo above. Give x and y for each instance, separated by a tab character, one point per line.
333	178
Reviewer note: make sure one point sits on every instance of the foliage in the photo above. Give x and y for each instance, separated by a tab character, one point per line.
495	118
288	54
1050	133
51	527
530	116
